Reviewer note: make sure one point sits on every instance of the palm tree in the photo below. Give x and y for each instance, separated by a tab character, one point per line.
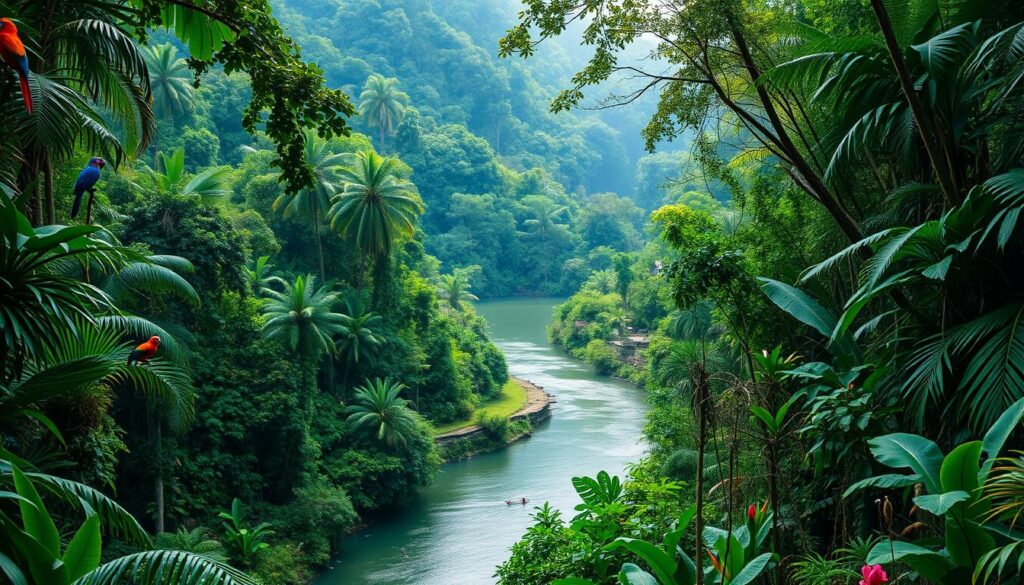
171	83
40	292
376	205
312	203
383	104
302	317
88	64
357	339
380	414
454	287
260	279
34	553
544	226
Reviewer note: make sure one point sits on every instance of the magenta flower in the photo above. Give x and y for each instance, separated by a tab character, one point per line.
873	575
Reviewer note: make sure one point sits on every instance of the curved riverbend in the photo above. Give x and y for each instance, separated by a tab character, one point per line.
459	529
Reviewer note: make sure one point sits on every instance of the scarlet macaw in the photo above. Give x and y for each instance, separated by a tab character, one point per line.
13	52
144	351
86	181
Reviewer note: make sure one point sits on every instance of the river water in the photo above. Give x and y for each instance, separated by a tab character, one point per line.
459	528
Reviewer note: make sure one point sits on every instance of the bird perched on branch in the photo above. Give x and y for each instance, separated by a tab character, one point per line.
87	182
144	351
13	52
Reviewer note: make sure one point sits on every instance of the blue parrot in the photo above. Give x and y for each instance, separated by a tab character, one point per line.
86	182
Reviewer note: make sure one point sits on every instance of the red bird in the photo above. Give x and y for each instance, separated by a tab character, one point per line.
13	52
144	351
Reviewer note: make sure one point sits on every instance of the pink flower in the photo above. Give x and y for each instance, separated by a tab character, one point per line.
751	511
873	575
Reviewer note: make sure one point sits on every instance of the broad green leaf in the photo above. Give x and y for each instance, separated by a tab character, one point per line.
902	450
634	575
967	541
997	435
939	504
928	563
35	518
11	571
752	571
664	565
960	468
83	552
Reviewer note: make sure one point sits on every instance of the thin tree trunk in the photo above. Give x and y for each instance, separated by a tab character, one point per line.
156	425
319	246
700	396
932	142
51	210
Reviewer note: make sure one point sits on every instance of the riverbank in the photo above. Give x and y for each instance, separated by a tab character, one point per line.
495	432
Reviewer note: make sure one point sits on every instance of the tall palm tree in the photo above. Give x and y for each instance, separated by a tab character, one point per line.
171	83
454	287
358	339
379	413
84	62
376	205
303	318
383	104
311	204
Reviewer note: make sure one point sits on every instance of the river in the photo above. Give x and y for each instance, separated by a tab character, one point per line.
459	529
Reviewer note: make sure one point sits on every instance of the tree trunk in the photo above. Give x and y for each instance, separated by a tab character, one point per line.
931	140
156	425
319	247
700	390
51	210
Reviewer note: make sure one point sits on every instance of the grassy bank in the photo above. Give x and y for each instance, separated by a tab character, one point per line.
511	399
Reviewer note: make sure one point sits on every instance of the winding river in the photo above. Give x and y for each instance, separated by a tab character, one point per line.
459	529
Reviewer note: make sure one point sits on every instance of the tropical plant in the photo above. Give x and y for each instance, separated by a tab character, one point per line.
814	569
39	296
171	83
170	179
380	414
950	491
736	556
169	79
311	203
544	224
85	354
90	87
377	204
260	279
33	548
383	104
243	542
302	318
197	540
454	287
358	338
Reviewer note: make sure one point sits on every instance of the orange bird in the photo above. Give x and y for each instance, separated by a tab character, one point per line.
144	351
13	52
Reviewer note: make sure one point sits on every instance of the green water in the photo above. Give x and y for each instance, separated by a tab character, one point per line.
459	529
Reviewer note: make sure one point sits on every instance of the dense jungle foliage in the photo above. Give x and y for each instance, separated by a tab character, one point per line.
834	356
302	263
227	341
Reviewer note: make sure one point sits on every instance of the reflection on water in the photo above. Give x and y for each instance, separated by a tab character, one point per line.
459	528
